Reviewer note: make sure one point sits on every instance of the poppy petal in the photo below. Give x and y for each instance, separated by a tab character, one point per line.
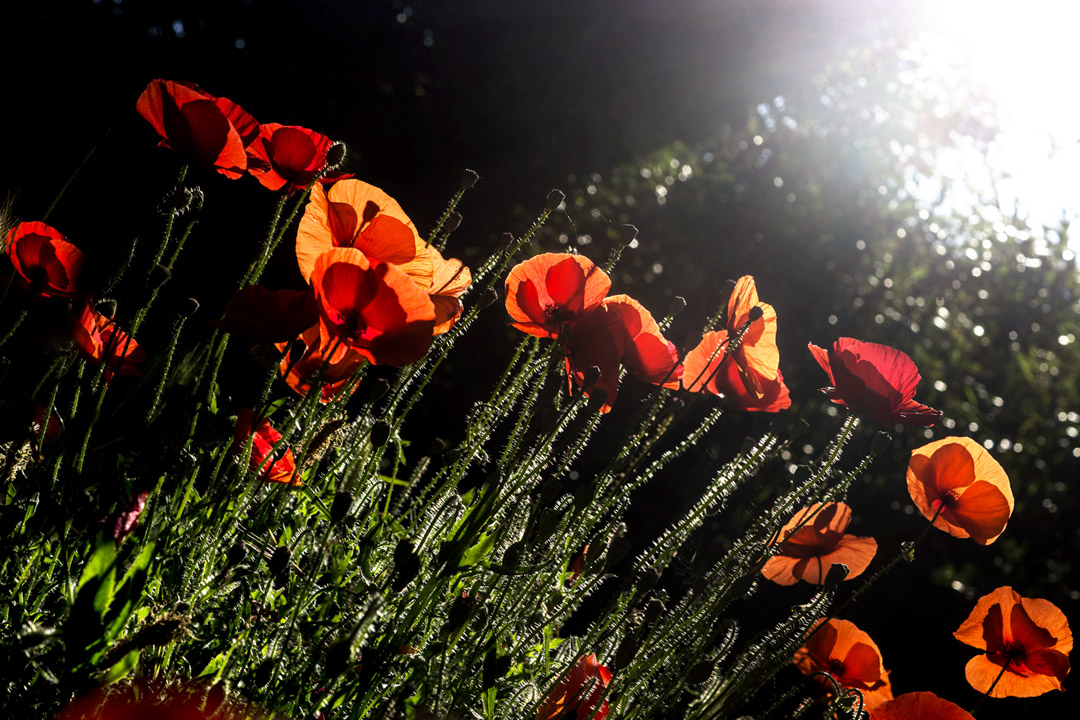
919	706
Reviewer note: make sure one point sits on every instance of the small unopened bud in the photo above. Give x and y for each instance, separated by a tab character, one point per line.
159	275
583	496
335	155
453	222
505	241
188	307
279	561
487	298
549	520
836	575
236	554
699	672
380	433
460	612
592	376
647	581
880	443
626	234
617	550
627	650
549	491
264	671
338	658
406	565
468	179
755	313
555	199
592	554
343	501
597	399
653	609
678	304
512	554
379	387
106	307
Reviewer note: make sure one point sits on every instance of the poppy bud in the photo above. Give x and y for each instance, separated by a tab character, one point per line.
678	304
836	575
699	672
106	307
236	554
338	658
512	554
480	618
549	521
505	241
187	307
592	376
380	433
406	565
487	298
468	179
335	155
647	581
343	501
453	222
159	275
653	609
549	491
755	313
555	199
626	234
279	561
263	672
460	612
452	455
880	443
617	550
597	400
583	496
379	387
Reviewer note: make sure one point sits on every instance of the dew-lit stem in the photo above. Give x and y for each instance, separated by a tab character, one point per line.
989	690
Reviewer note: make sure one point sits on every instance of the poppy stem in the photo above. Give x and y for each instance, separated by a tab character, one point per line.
167	365
71	177
14	327
993	685
167	235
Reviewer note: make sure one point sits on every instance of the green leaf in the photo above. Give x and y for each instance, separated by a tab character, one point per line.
122	668
477	552
215	666
99	563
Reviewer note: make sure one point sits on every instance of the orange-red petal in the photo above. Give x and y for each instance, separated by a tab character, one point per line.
919	706
44	258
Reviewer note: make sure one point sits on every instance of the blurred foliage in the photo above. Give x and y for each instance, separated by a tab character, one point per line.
822	198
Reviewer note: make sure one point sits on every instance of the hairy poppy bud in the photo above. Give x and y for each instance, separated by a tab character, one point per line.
159	275
597	399
380	433
468	179
338	658
678	304
880	443
617	550
279	561
653	609
379	387
452	455
264	671
335	155
453	222
755	313
626	234
592	376
236	554
188	307
460	612
549	520
647	581
583	496
343	501
699	672
836	575
549	491
406	565
627	650
487	298
512	554
555	199
106	307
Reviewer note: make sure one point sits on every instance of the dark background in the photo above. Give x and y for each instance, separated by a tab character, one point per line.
536	95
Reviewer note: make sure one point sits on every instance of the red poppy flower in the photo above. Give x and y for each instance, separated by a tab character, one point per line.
875	380
919	706
354	214
45	259
341	364
145	701
807	553
287	154
1027	643
578	693
957	483
450	279
757	351
848	654
98	340
53	426
207	130
121	524
708	369
262	315
621	332
553	291
283	468
375	308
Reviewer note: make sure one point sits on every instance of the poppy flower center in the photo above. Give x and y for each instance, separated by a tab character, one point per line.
1014	653
948	500
836	667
